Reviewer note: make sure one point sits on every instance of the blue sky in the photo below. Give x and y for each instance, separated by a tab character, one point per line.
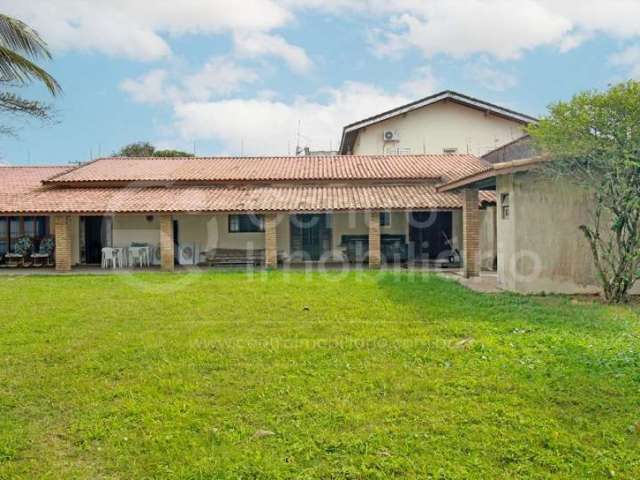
237	77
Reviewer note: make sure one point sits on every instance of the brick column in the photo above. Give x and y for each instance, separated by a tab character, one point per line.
63	238
471	232
374	240
270	241
166	243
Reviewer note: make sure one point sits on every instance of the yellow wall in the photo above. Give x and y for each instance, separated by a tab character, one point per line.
441	125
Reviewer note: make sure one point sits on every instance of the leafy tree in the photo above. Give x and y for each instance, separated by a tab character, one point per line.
593	141
138	149
172	153
20	47
145	149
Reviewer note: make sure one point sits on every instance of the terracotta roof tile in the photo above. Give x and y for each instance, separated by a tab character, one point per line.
232	199
309	168
16	182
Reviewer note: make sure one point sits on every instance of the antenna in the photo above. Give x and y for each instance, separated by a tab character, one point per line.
242	146
194	147
298	139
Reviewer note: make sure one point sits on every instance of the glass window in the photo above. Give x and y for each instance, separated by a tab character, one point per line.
14	232
12	228
504	205
246	223
29	227
385	219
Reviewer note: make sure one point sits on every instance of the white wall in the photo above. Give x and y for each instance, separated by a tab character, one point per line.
438	126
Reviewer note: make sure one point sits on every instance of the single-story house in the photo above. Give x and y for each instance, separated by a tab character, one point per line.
287	209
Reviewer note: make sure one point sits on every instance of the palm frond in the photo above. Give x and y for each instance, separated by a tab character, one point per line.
17	68
19	37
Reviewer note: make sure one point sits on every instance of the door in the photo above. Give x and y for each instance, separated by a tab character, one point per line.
93	238
310	235
176	245
429	232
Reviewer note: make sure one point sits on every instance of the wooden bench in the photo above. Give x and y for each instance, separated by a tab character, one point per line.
223	256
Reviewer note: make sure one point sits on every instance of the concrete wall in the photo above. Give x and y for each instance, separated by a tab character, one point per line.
540	248
438	126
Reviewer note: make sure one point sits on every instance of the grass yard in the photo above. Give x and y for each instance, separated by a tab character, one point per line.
223	375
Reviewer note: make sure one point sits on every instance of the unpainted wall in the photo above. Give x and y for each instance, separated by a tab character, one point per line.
540	246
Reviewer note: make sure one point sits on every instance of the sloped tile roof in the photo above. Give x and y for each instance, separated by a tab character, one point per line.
17	182
307	168
231	198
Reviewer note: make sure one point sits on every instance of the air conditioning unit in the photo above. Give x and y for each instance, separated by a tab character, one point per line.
391	136
188	254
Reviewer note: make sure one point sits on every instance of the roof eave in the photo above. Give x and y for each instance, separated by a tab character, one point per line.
497	169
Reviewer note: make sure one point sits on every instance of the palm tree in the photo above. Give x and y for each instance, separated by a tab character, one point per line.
19	45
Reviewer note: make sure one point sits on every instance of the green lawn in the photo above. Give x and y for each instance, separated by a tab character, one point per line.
357	376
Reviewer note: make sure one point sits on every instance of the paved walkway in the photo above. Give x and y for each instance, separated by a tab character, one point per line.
487	282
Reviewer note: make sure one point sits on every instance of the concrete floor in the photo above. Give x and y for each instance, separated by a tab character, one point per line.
487	282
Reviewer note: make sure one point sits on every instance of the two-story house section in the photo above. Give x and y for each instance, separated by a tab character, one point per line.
447	122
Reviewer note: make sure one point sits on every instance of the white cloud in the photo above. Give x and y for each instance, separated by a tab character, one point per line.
149	88
490	77
135	28
219	77
630	59
267	126
503	29
476	26
257	44
422	84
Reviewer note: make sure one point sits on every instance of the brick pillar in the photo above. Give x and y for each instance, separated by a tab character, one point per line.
270	241
374	240
166	243
63	238
471	232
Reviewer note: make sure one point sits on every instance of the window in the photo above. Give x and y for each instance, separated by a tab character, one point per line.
12	228
246	223
385	219
450	151
504	205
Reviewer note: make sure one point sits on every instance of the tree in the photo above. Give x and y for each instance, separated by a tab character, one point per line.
593	141
20	46
146	149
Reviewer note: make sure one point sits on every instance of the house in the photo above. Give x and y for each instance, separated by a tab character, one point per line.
447	122
341	208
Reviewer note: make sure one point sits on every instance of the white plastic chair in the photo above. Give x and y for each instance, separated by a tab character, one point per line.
139	255
109	257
